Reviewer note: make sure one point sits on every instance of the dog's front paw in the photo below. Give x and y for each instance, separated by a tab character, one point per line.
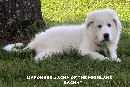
104	58
116	59
36	59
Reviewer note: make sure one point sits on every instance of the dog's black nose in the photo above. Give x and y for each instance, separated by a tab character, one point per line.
106	36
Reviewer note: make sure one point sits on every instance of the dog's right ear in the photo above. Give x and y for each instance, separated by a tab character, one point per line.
117	23
89	23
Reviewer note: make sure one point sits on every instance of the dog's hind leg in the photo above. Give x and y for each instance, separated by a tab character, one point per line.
46	53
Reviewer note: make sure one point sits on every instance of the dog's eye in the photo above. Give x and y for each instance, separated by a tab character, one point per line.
99	26
109	25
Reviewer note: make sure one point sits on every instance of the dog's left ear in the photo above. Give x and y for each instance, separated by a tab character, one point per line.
117	23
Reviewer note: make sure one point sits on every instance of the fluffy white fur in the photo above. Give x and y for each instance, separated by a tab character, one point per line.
85	37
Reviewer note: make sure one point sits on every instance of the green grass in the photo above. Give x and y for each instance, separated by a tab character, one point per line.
14	67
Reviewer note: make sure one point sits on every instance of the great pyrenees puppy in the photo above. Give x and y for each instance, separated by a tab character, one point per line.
100	25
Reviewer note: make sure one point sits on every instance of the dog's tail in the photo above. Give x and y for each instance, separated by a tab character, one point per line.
14	47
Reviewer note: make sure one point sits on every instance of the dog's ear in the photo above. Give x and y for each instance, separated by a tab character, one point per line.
117	23
88	24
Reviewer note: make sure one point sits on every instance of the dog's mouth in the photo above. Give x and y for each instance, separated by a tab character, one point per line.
101	43
106	40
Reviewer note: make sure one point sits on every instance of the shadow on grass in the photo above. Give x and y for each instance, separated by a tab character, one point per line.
124	43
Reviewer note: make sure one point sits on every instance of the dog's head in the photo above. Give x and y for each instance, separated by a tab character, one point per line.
104	24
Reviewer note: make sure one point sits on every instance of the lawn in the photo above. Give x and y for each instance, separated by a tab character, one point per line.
15	67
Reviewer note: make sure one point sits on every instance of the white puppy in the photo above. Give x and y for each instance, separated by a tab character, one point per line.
101	25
